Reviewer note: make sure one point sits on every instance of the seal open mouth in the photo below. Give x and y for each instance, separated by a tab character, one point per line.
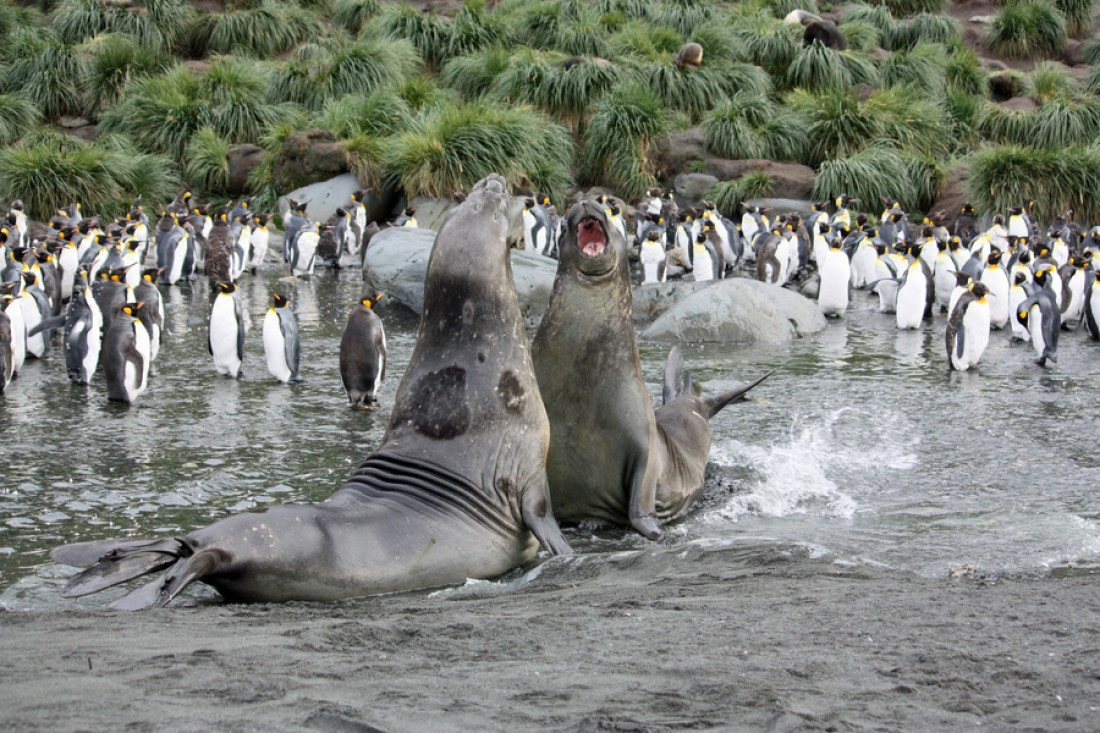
590	237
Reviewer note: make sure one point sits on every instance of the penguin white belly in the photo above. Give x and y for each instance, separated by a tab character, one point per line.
975	326
223	336
1017	295
18	336
910	306
36	344
259	241
1035	329
653	256
1017	227
832	293
1060	253
995	279
863	265
944	279
887	296
275	347
1056	286
1075	307
133	269
703	265
820	249
928	254
728	255
137	379
1093	305
67	263
307	249
749	227
179	257
534	236
783	257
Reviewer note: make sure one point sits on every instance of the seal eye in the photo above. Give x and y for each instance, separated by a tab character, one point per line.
590	237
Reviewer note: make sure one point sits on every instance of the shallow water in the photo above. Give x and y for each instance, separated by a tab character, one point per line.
861	446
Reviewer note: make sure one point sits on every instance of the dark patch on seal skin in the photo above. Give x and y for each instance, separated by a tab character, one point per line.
438	404
511	392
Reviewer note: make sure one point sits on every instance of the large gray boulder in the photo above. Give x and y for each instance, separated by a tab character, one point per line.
397	260
736	310
327	196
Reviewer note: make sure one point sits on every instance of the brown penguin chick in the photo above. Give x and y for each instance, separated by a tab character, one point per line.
219	247
690	56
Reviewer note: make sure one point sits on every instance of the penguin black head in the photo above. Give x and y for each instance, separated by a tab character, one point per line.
701	238
528	203
967	209
1019	278
1014	210
225	287
221	213
1042	275
150	274
410	210
994	256
653	235
29	278
961	278
980	290
369	301
1025	255
999	219
280	301
17	205
261	219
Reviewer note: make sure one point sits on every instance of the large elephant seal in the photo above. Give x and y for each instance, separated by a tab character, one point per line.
612	457
457	489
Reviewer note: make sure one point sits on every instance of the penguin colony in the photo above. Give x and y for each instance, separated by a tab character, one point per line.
1010	276
94	287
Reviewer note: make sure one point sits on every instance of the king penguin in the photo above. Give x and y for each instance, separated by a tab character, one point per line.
652	257
913	301
259	239
363	355
995	279
7	365
832	294
967	332
1017	293
303	253
226	337
1092	306
282	348
83	334
126	356
1039	314
536	232
18	335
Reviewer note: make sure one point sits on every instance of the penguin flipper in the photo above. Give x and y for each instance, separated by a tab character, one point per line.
48	324
125	563
292	346
715	403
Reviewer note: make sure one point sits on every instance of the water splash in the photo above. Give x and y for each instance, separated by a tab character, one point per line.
800	474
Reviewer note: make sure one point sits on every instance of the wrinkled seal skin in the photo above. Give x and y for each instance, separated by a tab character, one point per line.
612	457
457	489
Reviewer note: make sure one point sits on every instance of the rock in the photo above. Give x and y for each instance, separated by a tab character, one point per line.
956	194
652	300
308	156
243	159
692	186
324	197
397	260
71	123
737	310
431	211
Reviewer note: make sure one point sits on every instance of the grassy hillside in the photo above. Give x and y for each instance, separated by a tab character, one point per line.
552	94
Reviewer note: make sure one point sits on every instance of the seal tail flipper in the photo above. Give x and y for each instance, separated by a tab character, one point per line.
125	563
715	403
160	592
673	386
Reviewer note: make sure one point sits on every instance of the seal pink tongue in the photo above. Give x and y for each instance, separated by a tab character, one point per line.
591	238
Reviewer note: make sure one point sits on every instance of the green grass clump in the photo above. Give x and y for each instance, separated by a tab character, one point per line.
1090	51
379	114
729	130
235	95
49	170
769	42
694	91
862	36
620	138
922	67
1056	179
352	14
48	72
643	41
922	28
1028	28
901	8
263	30
963	73
18	116
451	147
818	68
318	73
153	23
729	195
207	167
878	16
835	123
869	175
1060	122
113	60
1051	80
160	112
911	123
473	75
684	16
1078	15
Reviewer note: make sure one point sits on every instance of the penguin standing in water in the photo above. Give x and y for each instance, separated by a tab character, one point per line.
1073	276
995	279
219	249
281	345
151	313
259	239
913	294
126	356
226	337
832	293
653	257
293	221
1017	293
943	276
1039	314
7	365
1092	306
968	329
36	308
363	355
303	253
11	307
83	333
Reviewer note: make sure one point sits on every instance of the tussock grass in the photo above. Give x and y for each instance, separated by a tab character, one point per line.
644	41
207	167
160	112
352	14
318	73
264	30
1051	80
112	61
473	75
818	68
49	170
729	195
1028	28
18	116
1078	15
923	67
963	73
379	114
902	8
921	29
862	36
769	42
451	147
869	175
619	141
1060	122
47	72
1056	179
153	23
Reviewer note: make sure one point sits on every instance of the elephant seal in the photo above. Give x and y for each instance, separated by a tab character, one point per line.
456	490
612	457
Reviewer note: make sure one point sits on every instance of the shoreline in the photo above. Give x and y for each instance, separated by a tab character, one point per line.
721	639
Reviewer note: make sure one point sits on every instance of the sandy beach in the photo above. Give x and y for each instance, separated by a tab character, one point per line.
741	637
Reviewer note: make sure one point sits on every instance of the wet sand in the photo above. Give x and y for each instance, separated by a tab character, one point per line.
672	638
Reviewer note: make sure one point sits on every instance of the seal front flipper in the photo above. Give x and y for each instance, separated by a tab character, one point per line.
643	498
539	518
